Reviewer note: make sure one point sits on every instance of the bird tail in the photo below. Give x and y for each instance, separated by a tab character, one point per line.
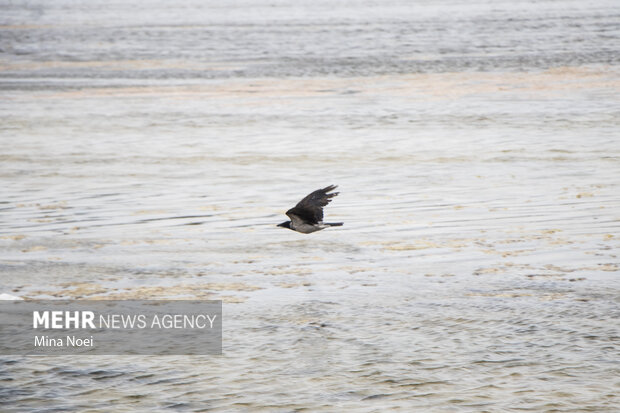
333	224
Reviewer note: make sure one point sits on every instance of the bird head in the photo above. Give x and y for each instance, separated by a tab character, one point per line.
285	224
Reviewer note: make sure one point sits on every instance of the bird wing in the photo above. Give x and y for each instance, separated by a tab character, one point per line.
310	209
295	220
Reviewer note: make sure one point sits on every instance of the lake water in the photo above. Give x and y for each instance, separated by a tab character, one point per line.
149	149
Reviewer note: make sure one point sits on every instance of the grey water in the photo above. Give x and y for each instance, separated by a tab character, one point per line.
148	150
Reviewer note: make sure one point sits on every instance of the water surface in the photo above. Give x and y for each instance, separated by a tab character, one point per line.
149	150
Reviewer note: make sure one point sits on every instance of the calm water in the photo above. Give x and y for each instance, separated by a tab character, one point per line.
149	149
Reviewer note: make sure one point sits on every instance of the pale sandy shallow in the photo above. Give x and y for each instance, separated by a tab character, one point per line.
478	266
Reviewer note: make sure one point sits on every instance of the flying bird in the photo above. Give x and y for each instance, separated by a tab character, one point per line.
307	215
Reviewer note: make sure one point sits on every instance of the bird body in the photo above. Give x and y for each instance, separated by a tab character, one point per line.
308	228
307	216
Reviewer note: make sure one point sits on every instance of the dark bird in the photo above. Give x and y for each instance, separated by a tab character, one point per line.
307	215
